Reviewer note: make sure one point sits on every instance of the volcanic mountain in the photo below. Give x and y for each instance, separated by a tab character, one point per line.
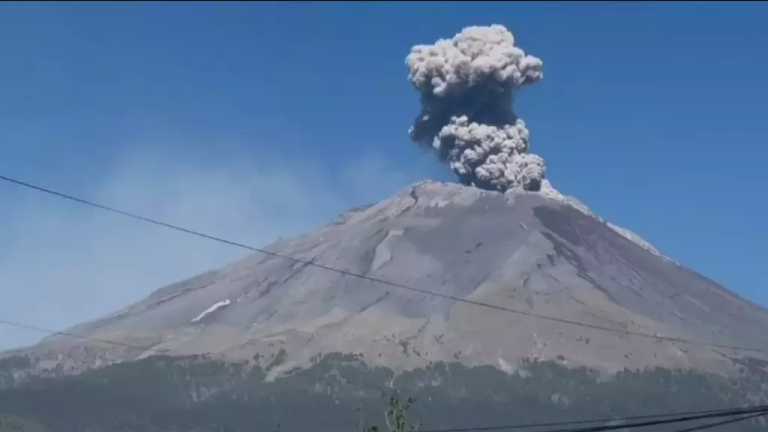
503	264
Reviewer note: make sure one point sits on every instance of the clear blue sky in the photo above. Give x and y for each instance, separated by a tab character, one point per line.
256	121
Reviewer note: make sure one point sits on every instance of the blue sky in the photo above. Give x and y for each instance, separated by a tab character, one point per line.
255	121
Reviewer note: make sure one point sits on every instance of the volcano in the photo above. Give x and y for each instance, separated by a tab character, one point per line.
616	302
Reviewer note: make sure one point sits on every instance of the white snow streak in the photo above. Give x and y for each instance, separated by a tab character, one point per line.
550	192
215	307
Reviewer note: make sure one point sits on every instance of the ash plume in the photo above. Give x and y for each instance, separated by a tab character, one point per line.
467	85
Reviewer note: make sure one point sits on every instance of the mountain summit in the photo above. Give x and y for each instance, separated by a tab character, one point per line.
539	254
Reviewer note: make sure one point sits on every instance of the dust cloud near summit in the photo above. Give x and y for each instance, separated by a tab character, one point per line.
467	86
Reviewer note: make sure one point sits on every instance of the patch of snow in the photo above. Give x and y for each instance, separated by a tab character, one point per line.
216	306
633	237
439	203
550	192
504	366
382	253
281	369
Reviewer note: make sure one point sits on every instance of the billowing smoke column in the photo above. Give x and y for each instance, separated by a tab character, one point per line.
467	84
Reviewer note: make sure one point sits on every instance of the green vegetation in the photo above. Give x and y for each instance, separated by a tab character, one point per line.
396	416
341	393
9	366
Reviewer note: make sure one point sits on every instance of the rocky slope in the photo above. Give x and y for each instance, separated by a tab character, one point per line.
535	253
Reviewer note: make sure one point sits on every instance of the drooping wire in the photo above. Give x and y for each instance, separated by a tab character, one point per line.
21	325
721	423
372	278
753	411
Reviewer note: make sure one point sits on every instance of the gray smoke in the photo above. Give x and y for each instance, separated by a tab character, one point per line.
467	84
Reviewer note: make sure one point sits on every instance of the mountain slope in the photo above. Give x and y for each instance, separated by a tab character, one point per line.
537	253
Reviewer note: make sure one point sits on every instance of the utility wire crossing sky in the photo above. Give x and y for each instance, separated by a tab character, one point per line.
220	119
371	278
746	413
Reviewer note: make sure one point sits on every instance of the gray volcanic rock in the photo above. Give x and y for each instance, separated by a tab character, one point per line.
537	253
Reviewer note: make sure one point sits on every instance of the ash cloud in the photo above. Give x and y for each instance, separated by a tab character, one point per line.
467	86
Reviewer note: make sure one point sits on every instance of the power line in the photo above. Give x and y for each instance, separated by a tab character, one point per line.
372	278
583	421
70	334
683	416
760	410
678	417
754	411
721	423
